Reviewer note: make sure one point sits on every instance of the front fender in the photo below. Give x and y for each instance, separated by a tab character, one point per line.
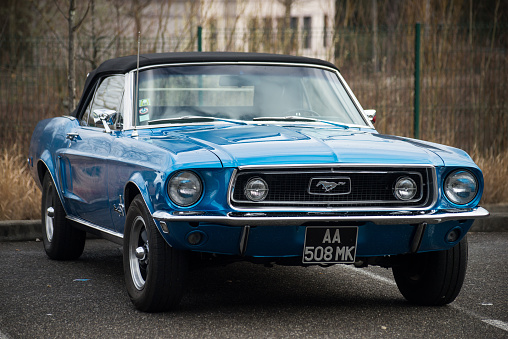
140	183
47	137
46	165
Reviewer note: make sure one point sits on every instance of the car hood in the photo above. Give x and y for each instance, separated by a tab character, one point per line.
278	145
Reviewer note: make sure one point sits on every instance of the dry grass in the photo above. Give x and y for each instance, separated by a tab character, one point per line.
495	172
19	196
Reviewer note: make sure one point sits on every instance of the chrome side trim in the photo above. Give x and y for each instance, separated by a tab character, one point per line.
272	219
70	117
95	227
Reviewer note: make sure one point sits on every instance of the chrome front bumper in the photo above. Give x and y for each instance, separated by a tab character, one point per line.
297	219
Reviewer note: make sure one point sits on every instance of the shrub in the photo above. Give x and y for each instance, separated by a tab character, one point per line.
20	197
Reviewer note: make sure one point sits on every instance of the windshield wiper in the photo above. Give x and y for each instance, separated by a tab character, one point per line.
286	118
192	118
299	118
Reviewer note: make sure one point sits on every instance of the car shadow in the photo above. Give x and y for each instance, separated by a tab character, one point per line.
283	287
243	285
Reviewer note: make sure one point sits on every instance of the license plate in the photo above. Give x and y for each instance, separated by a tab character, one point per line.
330	245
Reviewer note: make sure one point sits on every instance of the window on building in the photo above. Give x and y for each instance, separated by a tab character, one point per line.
267	34
281	32
253	35
293	25
307	32
325	31
213	35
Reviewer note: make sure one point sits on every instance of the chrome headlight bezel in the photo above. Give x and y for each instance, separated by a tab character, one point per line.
185	188
256	189
461	187
405	189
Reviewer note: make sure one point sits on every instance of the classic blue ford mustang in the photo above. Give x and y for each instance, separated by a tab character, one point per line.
243	156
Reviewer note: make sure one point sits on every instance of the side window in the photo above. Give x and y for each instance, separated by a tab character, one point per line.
109	95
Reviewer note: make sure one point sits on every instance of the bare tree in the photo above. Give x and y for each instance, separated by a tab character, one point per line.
16	24
163	19
374	36
137	7
73	27
233	12
287	29
101	34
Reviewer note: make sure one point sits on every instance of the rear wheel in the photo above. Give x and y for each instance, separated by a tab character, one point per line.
154	272
432	278
61	240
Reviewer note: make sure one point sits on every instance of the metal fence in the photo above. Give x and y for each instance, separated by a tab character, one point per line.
464	72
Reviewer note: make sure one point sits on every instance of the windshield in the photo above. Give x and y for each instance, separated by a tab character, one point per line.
255	93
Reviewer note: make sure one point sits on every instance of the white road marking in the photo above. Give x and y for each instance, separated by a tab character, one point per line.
370	274
497	323
492	322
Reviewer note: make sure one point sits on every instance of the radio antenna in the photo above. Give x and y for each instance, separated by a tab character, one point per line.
135	133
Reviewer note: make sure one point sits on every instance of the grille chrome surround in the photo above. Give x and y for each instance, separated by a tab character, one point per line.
366	193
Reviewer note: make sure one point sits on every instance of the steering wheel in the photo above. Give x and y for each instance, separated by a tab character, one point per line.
303	112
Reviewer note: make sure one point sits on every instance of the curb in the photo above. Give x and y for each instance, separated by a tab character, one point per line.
496	222
26	230
20	230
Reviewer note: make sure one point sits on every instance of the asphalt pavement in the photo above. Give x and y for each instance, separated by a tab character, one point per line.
86	298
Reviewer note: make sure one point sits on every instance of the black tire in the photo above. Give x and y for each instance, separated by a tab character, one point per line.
432	278
61	240
155	276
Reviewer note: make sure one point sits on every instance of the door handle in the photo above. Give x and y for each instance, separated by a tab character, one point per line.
72	135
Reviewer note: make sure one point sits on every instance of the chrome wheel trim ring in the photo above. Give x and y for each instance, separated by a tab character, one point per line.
49	215
138	266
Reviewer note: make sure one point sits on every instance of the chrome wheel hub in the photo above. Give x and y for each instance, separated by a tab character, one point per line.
141	253
138	253
49	218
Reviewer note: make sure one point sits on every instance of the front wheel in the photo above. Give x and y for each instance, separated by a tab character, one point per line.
61	240
432	278
154	272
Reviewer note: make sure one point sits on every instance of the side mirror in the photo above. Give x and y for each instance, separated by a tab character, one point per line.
371	114
105	115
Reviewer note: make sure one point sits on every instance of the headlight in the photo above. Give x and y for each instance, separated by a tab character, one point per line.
185	188
405	188
461	187
256	189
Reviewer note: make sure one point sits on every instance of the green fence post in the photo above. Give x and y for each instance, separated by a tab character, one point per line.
417	83
200	38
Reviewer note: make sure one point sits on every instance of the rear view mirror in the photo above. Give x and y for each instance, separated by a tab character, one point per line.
235	81
105	116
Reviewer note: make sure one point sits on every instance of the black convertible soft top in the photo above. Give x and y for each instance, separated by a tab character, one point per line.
125	64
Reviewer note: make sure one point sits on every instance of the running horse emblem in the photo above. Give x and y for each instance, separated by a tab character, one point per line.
327	185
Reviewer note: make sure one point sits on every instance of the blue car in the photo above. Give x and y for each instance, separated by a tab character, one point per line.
242	156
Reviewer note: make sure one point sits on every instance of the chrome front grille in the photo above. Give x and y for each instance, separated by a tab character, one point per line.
353	187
